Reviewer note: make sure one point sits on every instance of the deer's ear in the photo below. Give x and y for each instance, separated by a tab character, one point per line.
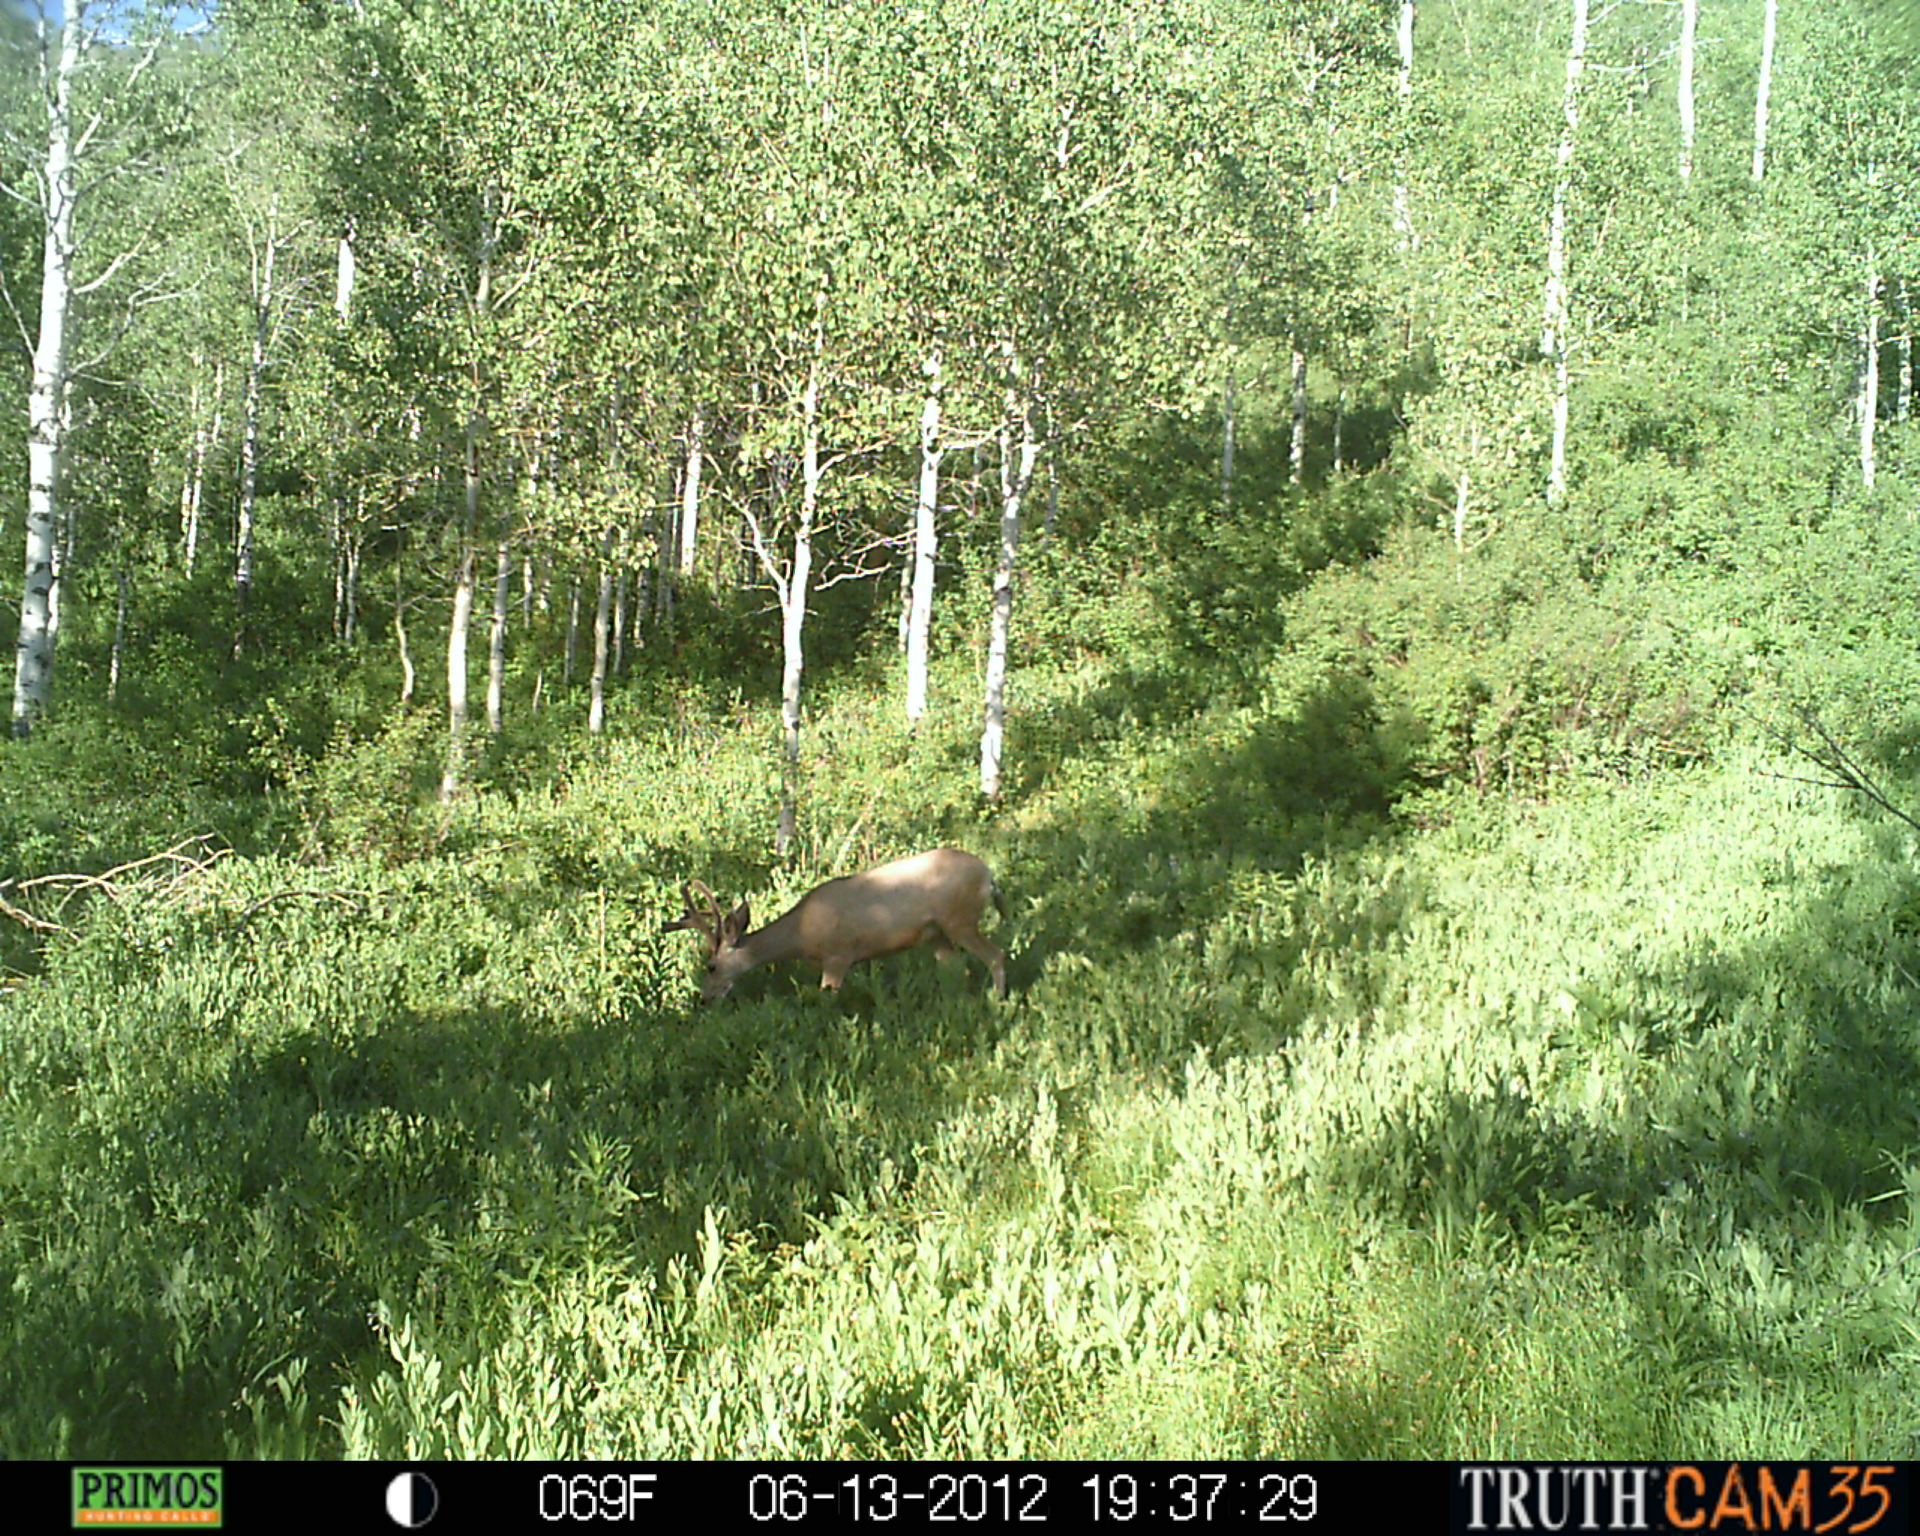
738	921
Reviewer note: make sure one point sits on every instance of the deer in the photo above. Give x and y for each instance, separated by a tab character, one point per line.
940	895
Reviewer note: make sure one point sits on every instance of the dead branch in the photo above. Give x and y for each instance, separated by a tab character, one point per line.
1846	772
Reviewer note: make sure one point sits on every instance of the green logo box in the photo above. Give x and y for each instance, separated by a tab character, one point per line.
143	1497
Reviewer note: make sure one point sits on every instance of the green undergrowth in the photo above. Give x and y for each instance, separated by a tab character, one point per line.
1488	1127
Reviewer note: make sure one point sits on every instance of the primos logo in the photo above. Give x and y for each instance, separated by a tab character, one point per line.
123	1496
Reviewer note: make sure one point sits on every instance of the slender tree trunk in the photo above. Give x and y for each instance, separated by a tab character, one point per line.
206	434
1903	395
665	555
794	605
617	663
1015	478
46	402
1689	30
458	630
119	634
1228	426
400	639
1768	31
529	580
1553	333
497	635
1297	451
263	263
646	580
344	272
356	544
1868	406
597	684
573	632
1339	429
925	533
1402	204
690	493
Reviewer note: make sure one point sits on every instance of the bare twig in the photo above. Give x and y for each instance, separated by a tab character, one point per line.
1847	773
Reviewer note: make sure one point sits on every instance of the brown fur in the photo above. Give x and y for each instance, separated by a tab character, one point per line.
938	896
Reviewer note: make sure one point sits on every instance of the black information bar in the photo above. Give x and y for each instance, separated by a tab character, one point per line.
1814	1498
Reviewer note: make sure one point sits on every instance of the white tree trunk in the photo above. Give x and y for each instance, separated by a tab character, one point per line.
597	684
1689	30
356	543
793	615
1868	406
119	636
1402	205
1903	393
617	663
497	636
690	493
459	627
1553	331
46	401
1297	450
1767	34
345	271
925	531
262	272
400	639
206	434
1014	481
457	632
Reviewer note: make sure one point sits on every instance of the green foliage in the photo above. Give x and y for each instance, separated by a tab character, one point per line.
1445	1025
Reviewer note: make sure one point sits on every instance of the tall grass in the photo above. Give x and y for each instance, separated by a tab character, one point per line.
1582	1128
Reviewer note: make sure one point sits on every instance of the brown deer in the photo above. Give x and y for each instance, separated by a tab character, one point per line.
941	895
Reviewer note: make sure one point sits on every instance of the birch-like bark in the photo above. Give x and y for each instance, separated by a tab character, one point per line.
1553	332
690	493
597	684
497	635
1903	390
206	434
119	635
1768	31
1867	405
925	533
262	272
617	663
400	639
793	617
356	543
1297	449
1402	204
1689	30
458	629
460	626
346	269
46	399
1015	478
